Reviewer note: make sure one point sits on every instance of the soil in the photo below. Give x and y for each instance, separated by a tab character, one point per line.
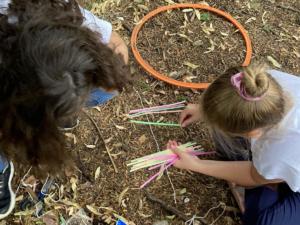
174	41
103	194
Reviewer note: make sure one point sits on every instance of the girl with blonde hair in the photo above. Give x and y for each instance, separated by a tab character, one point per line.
255	109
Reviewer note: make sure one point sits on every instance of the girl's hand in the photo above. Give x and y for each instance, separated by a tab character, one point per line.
191	114
185	161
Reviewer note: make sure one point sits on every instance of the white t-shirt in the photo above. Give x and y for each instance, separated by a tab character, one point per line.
90	20
276	155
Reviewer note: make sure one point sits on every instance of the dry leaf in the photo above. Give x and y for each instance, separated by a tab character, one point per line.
90	146
182	191
297	54
25	213
273	61
198	43
142	139
73	182
189	78
97	108
211	48
198	15
191	65
224	34
106	141
170	217
97	173
187	10
143	7
93	210
120	127
169	2
121	196
208	29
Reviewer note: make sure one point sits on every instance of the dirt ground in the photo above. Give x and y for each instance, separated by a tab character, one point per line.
96	187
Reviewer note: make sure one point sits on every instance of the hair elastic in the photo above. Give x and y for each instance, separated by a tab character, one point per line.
236	81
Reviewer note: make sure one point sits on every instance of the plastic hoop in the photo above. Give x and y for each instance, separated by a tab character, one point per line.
167	79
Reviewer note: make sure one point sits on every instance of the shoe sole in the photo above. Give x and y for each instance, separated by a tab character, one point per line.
12	194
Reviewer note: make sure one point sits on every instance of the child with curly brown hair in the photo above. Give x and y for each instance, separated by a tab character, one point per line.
55	58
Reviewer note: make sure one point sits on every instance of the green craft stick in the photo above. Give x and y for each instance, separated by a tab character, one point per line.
155	123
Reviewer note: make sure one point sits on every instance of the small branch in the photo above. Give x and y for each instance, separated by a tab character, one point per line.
100	135
169	208
288	8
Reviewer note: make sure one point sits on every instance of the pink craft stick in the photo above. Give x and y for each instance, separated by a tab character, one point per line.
157	166
161	112
157	174
156	107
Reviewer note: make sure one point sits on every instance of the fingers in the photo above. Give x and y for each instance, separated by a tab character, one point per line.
187	122
183	116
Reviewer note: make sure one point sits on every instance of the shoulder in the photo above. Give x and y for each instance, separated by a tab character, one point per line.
104	28
277	156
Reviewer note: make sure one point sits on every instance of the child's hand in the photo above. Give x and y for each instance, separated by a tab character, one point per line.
191	114
185	161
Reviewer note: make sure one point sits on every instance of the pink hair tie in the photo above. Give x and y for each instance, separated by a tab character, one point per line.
236	81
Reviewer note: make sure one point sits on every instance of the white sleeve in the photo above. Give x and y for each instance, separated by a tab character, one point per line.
95	24
4	6
279	159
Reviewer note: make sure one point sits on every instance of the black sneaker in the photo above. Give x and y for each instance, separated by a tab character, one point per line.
7	196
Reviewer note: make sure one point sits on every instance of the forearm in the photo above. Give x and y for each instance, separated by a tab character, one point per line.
118	45
238	172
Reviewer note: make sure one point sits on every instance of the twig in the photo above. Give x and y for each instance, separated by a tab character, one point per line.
288	8
169	208
127	27
100	135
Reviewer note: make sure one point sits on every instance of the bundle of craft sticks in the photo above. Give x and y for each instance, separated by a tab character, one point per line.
164	159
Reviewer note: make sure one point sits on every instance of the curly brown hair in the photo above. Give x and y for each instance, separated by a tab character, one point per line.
48	65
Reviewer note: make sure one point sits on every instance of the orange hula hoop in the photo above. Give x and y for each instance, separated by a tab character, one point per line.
167	79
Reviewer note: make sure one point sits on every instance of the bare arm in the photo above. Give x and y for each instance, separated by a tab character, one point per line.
118	45
242	173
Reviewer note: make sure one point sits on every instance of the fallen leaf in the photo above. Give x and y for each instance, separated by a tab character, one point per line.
90	146
121	196
142	139
191	65
170	217
189	78
187	10
182	191
273	61
97	173
169	2
143	7
93	210
224	34
97	108
106	141
120	127
73	182
297	54
198	43
198	15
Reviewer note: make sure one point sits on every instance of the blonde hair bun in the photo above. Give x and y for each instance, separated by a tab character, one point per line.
256	79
